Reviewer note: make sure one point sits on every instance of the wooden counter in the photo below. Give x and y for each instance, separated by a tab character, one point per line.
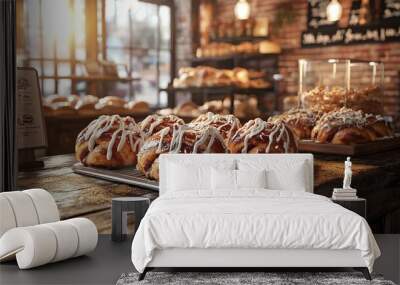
377	178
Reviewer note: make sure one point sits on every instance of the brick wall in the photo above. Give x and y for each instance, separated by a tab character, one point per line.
289	39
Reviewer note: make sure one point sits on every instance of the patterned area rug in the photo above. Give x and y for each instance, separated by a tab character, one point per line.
242	278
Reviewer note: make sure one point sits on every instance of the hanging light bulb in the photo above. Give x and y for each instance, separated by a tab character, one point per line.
242	10
334	11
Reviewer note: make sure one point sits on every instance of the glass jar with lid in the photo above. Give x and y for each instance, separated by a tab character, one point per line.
325	85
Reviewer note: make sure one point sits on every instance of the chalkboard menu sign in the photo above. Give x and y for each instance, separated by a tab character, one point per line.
376	22
351	35
391	11
317	14
354	17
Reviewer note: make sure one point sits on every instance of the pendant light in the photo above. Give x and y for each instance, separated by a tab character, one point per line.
242	10
334	11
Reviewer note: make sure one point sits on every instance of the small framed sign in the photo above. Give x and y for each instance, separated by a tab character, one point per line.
31	129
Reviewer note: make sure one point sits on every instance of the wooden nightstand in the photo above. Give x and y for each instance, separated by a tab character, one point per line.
358	205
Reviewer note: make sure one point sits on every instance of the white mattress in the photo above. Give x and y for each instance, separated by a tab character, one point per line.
253	219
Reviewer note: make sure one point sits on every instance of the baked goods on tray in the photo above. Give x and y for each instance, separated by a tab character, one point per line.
258	136
301	121
206	76
110	142
227	125
347	126
178	139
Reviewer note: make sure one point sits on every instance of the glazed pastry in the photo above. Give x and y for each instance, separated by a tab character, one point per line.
165	112
155	123
301	121
138	107
187	109
214	106
63	109
177	139
111	105
258	136
227	125
110	142
86	105
72	99
347	126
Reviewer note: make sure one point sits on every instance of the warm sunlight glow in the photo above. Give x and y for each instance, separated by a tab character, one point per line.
242	10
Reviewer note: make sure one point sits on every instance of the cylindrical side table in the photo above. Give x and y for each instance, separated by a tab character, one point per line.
123	206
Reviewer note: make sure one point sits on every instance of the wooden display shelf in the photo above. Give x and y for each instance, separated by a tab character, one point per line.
91	78
220	89
233	57
237	40
380	145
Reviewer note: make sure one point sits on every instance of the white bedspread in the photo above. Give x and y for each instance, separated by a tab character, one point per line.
250	219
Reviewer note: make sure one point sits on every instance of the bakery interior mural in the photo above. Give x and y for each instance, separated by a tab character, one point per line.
104	88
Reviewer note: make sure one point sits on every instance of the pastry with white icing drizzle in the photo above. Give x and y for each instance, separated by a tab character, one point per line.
178	139
347	126
258	136
110	142
301	121
227	125
155	123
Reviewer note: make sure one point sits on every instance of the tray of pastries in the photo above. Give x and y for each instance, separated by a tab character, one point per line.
127	175
75	106
117	148
220	49
341	131
210	77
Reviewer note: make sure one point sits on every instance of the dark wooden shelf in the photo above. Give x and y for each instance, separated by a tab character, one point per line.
221	89
240	39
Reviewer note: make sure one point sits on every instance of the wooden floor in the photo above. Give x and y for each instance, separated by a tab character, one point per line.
377	178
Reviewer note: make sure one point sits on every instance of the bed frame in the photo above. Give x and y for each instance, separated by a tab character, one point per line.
256	258
246	258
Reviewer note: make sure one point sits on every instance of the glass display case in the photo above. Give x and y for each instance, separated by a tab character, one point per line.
326	85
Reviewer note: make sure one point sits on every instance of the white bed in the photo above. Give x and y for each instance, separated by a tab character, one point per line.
201	226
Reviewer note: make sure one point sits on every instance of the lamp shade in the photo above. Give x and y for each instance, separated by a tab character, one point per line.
334	11
242	10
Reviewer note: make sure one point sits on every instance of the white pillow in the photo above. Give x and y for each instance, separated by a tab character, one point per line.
281	174
251	178
225	179
187	176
